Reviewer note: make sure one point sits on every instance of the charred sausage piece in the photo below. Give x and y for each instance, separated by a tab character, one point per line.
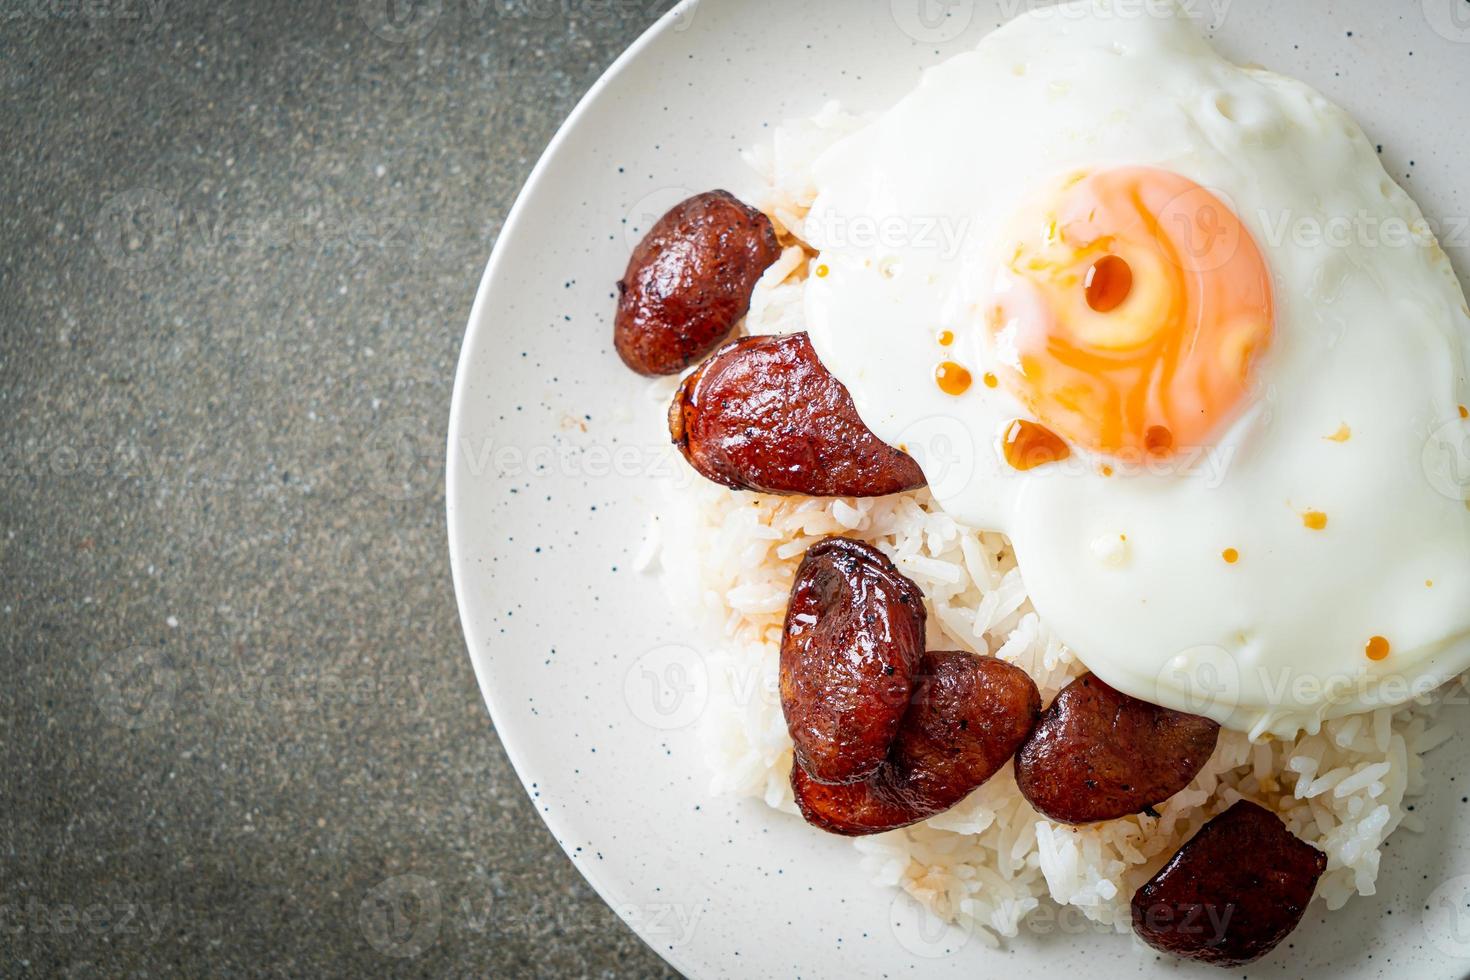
764	414
1099	754
967	716
854	635
1234	891
869	807
689	282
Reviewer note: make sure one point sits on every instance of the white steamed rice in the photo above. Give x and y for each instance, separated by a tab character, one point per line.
992	860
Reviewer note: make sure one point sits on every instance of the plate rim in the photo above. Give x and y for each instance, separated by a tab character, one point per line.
475	332
609	887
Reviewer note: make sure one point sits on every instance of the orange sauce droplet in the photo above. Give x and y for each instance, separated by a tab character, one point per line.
991	380
946	338
1158	440
1106	470
822	271
1230	555
1343	434
1464	412
1028	445
1377	648
1108	283
1315	520
1118	323
952	378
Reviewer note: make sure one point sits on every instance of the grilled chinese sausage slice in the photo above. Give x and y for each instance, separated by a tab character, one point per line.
764	414
967	716
1099	754
854	635
1230	894
689	282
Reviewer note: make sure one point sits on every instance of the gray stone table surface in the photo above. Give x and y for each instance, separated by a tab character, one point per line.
238	247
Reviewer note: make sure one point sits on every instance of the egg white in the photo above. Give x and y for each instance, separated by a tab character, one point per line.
1372	334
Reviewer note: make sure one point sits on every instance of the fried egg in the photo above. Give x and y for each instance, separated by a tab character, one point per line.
1166	323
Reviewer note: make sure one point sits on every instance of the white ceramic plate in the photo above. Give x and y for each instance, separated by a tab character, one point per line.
588	675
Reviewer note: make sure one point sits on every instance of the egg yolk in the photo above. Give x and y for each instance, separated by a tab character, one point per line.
1132	321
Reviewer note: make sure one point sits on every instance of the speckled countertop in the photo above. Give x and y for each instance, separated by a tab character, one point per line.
238	247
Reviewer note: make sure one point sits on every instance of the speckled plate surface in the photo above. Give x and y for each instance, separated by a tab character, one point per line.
588	674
